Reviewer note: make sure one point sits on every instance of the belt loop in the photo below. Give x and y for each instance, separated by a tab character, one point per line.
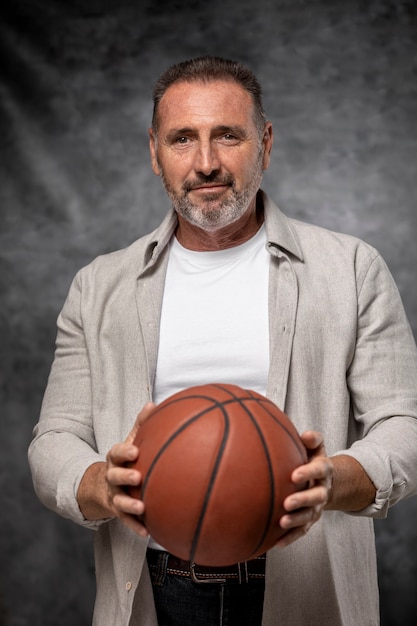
240	572
162	567
244	572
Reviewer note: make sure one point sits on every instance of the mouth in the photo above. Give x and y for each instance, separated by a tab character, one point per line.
211	188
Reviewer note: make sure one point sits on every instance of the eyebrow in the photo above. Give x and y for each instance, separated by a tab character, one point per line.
221	128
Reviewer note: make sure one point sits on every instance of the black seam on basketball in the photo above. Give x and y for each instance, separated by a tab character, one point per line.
213	476
241	401
175	434
194	396
266	405
225	388
215	470
271	475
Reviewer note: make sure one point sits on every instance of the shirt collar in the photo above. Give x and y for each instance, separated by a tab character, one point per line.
280	233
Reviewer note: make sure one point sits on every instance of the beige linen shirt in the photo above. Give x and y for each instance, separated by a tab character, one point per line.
342	361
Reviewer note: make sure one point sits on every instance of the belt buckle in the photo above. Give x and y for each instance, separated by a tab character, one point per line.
202	581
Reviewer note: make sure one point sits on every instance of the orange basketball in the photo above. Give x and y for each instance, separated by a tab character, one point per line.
216	462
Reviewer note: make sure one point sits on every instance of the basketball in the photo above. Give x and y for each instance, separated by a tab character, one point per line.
216	462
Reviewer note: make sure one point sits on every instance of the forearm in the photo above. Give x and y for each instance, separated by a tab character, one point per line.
352	489
92	493
102	491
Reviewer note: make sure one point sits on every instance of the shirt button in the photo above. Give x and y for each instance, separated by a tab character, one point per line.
128	585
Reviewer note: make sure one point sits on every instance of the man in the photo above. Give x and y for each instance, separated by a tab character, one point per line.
228	289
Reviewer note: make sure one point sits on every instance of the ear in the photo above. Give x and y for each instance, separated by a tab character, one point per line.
152	148
267	140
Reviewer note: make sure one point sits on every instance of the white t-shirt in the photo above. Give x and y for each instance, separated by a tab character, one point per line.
214	320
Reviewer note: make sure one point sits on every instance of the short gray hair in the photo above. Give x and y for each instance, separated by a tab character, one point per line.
206	69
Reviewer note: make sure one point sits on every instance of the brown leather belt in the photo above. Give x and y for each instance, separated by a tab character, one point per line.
241	572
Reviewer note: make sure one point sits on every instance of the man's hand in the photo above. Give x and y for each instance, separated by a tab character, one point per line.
335	483
304	508
102	492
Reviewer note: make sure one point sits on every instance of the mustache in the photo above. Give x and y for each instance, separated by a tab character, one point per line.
202	179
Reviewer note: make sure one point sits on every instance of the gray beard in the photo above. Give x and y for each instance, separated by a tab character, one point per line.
213	214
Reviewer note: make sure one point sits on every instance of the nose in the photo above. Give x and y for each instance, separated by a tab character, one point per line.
207	159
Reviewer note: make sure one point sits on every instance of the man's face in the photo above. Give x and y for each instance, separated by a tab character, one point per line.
209	152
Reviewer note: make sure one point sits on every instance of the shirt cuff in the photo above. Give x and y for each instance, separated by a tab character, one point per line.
66	499
376	464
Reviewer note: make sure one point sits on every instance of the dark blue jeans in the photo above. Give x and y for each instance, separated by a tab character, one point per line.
181	602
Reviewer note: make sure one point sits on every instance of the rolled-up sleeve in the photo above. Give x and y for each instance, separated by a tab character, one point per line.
383	386
64	444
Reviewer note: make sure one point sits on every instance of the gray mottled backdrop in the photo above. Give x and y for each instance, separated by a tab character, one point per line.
340	86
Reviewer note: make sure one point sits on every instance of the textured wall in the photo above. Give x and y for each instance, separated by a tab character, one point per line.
340	85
